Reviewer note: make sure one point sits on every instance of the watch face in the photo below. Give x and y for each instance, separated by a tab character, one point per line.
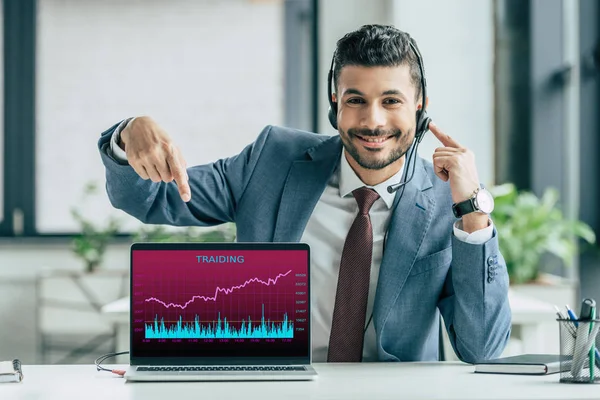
485	201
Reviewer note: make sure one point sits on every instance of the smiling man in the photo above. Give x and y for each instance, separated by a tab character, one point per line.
384	263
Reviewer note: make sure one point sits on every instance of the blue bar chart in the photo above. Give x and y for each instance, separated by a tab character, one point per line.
221	329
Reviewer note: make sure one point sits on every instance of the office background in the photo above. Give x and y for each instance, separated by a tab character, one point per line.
516	81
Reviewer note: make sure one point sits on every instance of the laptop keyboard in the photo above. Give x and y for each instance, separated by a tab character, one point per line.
222	368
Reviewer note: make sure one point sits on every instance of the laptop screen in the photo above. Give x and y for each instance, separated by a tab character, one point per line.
220	300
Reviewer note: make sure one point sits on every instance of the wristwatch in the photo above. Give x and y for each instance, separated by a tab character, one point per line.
481	201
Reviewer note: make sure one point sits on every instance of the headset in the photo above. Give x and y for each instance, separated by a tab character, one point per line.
422	119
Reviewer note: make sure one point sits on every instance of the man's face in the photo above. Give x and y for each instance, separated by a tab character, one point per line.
377	114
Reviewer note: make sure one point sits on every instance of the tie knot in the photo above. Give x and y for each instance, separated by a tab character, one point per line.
365	198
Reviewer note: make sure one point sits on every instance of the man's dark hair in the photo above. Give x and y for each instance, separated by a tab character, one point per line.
377	46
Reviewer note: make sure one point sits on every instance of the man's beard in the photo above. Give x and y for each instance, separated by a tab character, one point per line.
401	140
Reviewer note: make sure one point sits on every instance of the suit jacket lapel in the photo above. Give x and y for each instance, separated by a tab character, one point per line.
411	218
304	186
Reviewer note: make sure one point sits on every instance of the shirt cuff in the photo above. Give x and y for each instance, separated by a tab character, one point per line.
478	237
116	151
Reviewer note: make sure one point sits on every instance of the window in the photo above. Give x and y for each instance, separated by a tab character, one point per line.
210	72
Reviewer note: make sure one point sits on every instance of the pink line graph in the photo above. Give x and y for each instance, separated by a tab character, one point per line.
219	289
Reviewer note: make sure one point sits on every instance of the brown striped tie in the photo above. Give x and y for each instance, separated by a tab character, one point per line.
347	328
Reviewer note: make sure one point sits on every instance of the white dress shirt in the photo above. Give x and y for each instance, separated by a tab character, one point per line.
326	232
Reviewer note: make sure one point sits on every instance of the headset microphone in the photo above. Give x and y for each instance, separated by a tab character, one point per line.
410	160
396	186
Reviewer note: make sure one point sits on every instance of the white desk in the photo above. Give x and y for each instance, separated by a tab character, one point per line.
342	381
533	317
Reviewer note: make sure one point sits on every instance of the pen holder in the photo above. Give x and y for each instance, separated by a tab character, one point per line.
579	355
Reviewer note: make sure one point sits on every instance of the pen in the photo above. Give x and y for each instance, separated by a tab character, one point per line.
588	313
592	354
562	316
573	318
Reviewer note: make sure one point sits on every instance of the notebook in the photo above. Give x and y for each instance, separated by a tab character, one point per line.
10	371
529	364
220	311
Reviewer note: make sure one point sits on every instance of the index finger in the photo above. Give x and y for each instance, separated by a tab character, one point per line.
442	137
180	177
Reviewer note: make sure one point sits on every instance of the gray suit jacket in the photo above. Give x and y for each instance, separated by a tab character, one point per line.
270	189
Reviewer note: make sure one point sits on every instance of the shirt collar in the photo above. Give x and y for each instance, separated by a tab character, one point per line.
349	181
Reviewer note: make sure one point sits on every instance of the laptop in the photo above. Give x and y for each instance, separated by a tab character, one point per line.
220	311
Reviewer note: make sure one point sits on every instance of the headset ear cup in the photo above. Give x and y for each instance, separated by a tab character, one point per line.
422	125
332	115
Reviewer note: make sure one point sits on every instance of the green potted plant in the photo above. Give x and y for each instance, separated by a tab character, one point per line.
162	233
529	226
90	244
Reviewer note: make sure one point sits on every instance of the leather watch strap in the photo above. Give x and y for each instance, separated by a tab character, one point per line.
463	208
